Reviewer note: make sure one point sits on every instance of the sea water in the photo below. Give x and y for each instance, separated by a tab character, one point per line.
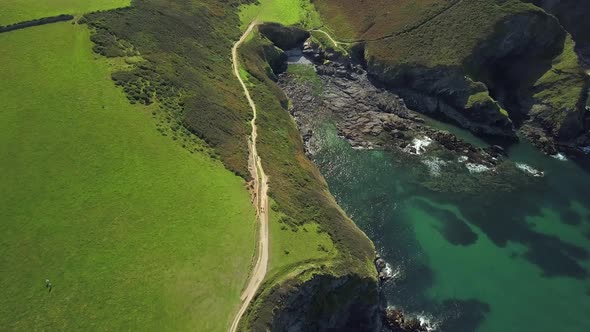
479	261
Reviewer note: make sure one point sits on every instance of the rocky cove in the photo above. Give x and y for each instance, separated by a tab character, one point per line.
364	91
369	117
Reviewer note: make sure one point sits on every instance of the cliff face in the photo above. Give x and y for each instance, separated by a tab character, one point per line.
573	15
445	91
491	66
282	36
502	68
328	303
527	64
524	71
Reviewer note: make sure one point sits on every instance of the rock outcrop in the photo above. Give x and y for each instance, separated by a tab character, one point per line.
397	321
323	303
523	72
284	37
573	15
448	92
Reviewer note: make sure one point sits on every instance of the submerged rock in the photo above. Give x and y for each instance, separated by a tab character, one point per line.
384	270
396	321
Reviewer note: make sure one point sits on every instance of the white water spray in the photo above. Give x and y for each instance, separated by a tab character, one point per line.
530	170
418	145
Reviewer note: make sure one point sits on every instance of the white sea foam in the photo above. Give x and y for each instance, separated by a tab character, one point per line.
462	159
477	168
528	169
560	156
395	274
427	322
586	149
390	273
434	165
418	145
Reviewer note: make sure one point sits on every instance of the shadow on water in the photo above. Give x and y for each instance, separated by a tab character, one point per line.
512	228
454	229
462	315
503	218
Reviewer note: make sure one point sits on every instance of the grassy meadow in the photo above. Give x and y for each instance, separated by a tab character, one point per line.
286	12
134	231
14	11
292	246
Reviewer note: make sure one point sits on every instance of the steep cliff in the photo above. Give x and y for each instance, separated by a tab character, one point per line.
573	15
323	302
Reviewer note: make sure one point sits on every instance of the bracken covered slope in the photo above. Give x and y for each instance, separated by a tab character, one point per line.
486	64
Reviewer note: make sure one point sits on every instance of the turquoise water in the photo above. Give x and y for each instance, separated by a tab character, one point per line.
480	261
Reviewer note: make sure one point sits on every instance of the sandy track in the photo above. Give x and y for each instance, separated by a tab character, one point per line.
260	195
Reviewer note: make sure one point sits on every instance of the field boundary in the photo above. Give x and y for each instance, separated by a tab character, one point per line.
36	22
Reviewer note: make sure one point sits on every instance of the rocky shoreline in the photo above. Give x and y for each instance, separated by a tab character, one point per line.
395	319
369	117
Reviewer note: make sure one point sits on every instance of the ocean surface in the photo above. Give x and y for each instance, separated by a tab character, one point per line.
483	261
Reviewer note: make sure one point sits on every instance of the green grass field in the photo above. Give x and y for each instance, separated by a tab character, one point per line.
14	11
133	230
293	246
287	12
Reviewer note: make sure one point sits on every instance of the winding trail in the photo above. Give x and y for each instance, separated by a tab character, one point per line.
260	194
330	37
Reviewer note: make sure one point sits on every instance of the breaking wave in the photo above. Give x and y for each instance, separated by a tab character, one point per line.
477	168
560	156
418	145
434	165
528	169
427	322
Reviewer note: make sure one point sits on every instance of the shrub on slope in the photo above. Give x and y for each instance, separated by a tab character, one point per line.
129	227
188	69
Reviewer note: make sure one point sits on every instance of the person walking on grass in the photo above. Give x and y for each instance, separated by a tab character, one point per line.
48	285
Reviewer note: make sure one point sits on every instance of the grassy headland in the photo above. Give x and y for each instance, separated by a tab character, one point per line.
133	230
562	85
306	217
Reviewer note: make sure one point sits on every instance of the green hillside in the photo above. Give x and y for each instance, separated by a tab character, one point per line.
133	230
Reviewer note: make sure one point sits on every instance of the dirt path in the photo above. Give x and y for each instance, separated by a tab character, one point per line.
260	195
330	37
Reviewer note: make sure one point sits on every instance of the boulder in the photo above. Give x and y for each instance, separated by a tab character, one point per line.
284	37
